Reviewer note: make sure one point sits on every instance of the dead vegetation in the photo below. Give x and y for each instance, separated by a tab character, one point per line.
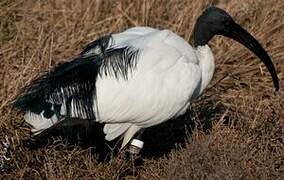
238	122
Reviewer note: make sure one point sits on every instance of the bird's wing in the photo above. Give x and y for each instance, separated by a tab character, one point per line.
69	90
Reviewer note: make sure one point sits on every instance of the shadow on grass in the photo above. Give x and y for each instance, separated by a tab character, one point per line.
158	140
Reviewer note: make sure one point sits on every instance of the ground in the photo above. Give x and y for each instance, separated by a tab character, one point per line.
233	131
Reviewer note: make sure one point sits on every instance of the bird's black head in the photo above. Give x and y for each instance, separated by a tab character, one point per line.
215	21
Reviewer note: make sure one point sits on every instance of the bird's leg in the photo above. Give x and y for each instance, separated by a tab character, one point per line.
132	152
136	144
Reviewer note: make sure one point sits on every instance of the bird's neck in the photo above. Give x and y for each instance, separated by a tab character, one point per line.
207	65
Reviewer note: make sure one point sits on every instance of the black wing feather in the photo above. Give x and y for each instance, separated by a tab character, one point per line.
75	82
72	80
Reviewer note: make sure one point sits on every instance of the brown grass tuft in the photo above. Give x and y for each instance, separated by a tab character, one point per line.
239	120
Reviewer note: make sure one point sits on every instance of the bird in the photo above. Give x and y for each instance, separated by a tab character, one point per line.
134	79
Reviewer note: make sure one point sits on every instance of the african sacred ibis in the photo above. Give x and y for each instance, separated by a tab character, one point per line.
134	79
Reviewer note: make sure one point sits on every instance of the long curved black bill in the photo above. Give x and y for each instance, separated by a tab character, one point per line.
239	34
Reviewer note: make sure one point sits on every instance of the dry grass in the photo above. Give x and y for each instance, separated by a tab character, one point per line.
239	121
